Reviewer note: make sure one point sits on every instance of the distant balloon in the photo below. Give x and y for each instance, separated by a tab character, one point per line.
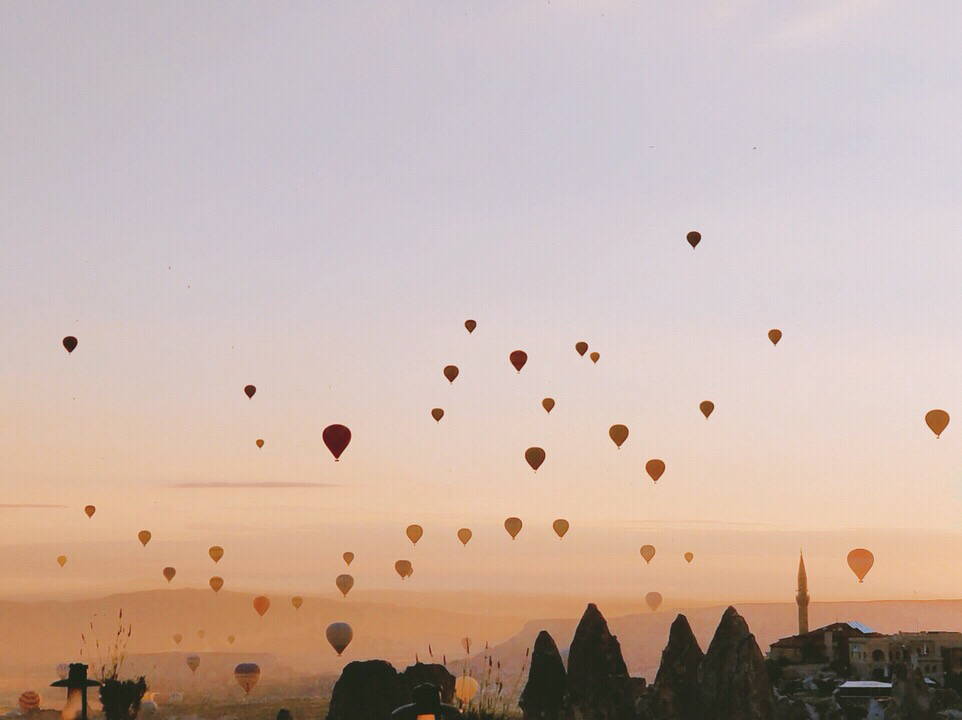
259	442
297	601
403	568
344	584
470	325
216	553
339	635
518	358
261	604
414	533
247	675
653	601
451	372
169	573
775	335
249	390
144	537
178	638
230	639
694	237
465	688
90	510
647	552
689	557
348	558
62	560
861	561
595	357
618	434
70	343
513	526
201	633
581	347
63	670
560	527
535	456
193	662
28	702
216	583
464	535
937	420
548	404
707	408
655	468
437	414
337	438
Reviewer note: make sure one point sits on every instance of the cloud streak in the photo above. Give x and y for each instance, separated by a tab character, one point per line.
251	486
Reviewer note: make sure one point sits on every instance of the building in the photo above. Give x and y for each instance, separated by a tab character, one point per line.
824	646
930	652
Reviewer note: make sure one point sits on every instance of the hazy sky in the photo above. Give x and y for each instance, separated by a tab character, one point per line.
313	197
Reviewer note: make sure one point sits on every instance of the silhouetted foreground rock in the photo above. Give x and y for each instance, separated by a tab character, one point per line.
366	691
599	687
544	693
676	694
435	674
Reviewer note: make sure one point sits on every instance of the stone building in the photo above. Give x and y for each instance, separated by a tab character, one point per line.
932	653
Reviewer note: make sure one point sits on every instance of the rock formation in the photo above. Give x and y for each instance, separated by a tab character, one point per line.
544	693
598	684
676	694
365	690
433	673
910	697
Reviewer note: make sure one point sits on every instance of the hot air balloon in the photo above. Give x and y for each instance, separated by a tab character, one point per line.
70	343
513	526
581	347
689	557
201	633
403	568
464	535
775	335
470	325
337	438
707	408
348	558
230	639
261	604
560	527
548	404
694	237
144	537
647	552
249	390
216	553
193	662
178	638
63	670
90	510
595	357
28	702
169	573
937	420
451	372
618	434
414	533
216	583
247	675
535	456
344	584
465	688
437	414
655	468
62	560
297	601
339	635
861	561
259	442
653	600
518	358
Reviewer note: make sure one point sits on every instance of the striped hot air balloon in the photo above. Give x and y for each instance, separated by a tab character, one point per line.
29	701
247	675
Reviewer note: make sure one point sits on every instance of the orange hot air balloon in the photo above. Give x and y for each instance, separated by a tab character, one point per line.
259	442
775	335
337	438
344	584
581	347
249	391
451	372
647	552
469	325
414	533
518	358
169	573
339	635
247	675
90	510
595	357
548	404
230	639
937	420
707	408
560	527
62	560
861	561
348	558
297	601
261	604
403	568
464	535
193	662
216	553
535	456
437	414
618	434
689	557
655	468
28	702
513	526
201	633
653	601
70	344
178	638
694	237
144	537
216	583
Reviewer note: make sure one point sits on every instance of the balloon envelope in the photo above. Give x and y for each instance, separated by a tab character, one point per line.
169	573
403	568
464	535
90	510
249	390
937	420
470	325
465	688
247	675
344	583
595	357
451	372
414	533
144	537
193	662
259	442
861	561
230	639
178	638
560	527
261	604
437	414
339	635
775	335
655	468
535	456
70	343
297	601
348	558
689	556
518	358
63	669
618	434
694	237
548	404
216	553
62	560
513	526
647	552
653	600
581	347
337	438
707	408
29	701
216	583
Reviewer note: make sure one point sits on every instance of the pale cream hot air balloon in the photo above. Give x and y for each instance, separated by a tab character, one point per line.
216	583
653	600
465	688
348	558
193	662
513	526
344	583
861	561
261	604
414	533
618	434
535	457
247	675
169	573
339	635
560	527
216	553
464	535
297	601
647	552
144	537
937	420
63	670
404	568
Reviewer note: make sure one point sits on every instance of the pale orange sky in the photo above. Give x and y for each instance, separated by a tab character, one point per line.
313	200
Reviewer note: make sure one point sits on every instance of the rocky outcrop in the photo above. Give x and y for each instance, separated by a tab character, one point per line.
598	684
676	694
421	673
911	698
544	693
733	681
365	690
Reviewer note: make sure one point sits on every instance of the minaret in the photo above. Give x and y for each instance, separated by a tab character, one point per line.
801	597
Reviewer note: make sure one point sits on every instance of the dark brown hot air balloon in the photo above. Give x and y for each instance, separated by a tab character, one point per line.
337	438
535	456
437	414
518	358
548	404
707	408
655	468
774	335
70	344
937	420
595	357
470	325
694	237
581	347
618	434
249	390
451	372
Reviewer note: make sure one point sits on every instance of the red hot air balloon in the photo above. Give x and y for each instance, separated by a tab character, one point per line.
337	438
518	358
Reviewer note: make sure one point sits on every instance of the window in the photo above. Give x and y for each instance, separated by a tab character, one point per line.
878	656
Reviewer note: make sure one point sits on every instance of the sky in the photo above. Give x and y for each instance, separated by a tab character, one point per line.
313	197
